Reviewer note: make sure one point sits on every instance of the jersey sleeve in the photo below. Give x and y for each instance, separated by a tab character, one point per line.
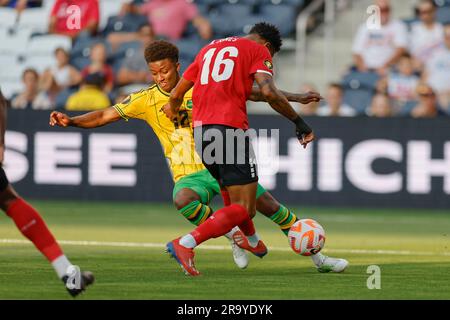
132	107
191	72
262	61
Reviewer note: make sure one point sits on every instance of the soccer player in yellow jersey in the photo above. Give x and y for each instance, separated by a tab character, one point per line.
194	186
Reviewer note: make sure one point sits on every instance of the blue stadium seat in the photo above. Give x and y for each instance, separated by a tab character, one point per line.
443	15
361	80
442	3
231	19
79	55
189	47
210	2
184	64
127	23
235	11
248	2
283	16
125	50
296	3
358	99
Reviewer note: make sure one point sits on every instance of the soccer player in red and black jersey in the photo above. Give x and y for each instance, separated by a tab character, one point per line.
222	75
33	227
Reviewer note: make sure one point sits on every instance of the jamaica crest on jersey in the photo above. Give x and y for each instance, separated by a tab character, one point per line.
189	105
268	64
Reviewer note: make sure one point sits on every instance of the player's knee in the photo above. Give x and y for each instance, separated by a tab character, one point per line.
251	210
183	199
7	197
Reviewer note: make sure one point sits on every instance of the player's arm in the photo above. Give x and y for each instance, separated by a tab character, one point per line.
89	120
176	97
303	98
280	104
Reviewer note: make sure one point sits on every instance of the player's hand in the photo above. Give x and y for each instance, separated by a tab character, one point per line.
310	97
305	139
303	132
168	112
59	119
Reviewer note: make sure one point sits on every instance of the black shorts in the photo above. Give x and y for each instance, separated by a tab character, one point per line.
227	153
3	180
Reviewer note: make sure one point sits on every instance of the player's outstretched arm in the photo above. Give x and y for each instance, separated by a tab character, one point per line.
176	97
280	104
89	120
303	98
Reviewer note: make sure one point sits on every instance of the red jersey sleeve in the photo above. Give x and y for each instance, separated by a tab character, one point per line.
191	72
261	61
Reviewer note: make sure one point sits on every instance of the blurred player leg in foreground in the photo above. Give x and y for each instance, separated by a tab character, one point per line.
33	227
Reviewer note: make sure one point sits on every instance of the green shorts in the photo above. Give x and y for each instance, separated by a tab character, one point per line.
204	185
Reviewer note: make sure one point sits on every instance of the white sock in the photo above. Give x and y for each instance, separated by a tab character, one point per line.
61	264
188	241
229	235
317	259
253	240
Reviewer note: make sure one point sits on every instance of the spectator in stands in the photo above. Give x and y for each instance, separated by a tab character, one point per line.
380	106
309	109
170	18
98	65
32	97
60	76
90	96
400	84
437	71
71	17
335	105
21	5
428	106
379	47
426	35
134	69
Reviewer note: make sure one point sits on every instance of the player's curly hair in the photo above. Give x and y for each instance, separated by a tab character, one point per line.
268	32
160	50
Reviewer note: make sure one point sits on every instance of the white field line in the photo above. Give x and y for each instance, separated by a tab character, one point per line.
216	247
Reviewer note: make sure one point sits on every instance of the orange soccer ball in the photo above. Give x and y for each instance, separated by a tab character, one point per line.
306	237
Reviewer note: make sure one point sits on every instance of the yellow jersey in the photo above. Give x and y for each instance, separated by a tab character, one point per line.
176	138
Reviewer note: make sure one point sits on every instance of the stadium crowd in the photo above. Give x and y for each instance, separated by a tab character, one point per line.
399	69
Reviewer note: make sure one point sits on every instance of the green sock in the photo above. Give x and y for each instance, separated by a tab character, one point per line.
284	218
196	212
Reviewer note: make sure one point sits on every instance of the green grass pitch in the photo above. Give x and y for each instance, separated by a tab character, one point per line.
412	248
